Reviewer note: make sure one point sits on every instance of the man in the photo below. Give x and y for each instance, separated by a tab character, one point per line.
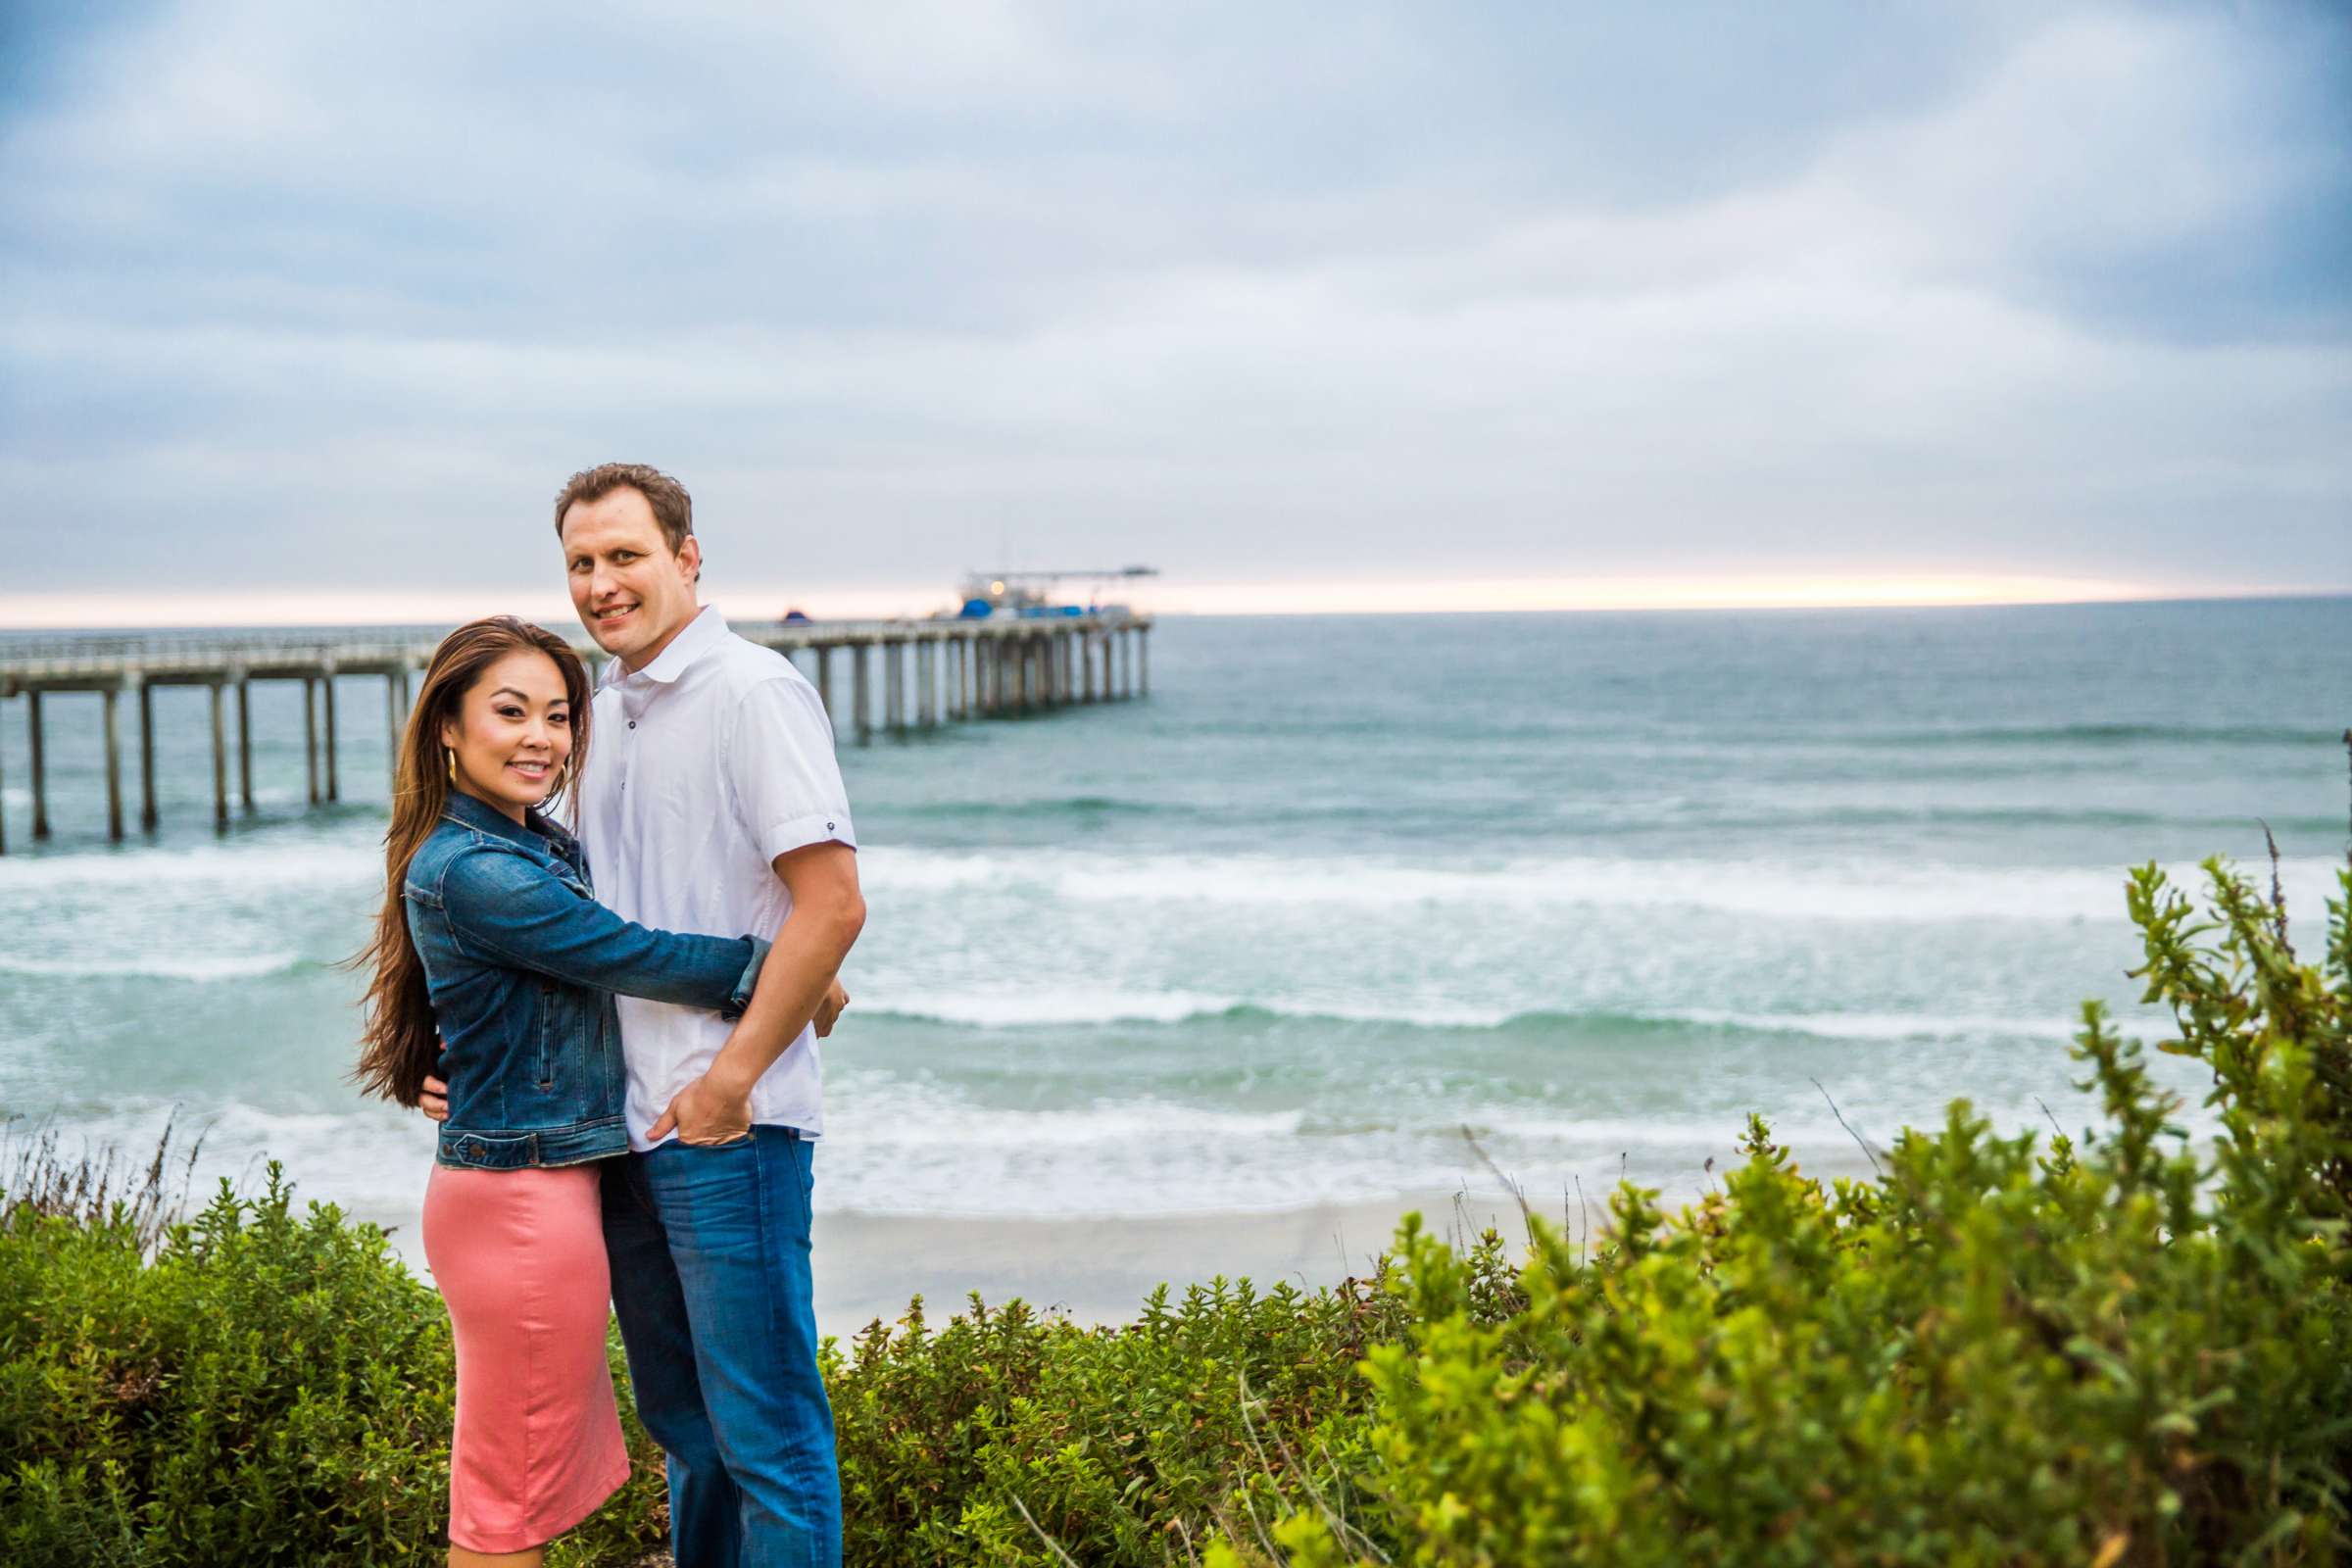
711	802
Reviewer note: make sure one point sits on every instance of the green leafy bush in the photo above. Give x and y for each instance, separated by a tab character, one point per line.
1005	1432
270	1388
2131	1352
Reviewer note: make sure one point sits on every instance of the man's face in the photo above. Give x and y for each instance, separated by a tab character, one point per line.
632	593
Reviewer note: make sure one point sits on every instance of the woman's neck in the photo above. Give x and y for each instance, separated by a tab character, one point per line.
513	814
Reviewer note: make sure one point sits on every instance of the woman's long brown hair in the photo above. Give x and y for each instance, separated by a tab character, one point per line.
399	1043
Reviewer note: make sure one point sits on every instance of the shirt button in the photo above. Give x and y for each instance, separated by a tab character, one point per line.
632	723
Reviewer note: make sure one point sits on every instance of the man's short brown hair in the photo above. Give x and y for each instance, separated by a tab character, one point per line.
673	508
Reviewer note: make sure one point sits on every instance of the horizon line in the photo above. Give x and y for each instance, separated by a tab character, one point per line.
296	608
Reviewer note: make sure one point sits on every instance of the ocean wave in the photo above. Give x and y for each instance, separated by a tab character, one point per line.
241	866
1046	1006
1048	808
1066	1007
895	1145
1864	816
157	967
1892	890
2112	735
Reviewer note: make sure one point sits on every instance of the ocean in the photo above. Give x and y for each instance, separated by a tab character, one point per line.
1589	888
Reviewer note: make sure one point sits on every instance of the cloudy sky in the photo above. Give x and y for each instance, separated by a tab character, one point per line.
308	310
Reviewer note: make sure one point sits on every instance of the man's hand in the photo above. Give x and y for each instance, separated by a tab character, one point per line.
706	1113
434	1102
829	1009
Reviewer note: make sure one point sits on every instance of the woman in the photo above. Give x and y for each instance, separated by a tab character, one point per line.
491	945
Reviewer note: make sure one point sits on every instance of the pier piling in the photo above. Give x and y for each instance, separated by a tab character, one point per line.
334	777
220	758
392	718
859	681
824	679
114	765
245	741
310	735
147	813
40	772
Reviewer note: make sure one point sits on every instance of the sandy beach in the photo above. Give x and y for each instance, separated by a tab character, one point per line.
1100	1270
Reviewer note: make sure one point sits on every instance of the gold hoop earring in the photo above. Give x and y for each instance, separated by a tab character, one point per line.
453	763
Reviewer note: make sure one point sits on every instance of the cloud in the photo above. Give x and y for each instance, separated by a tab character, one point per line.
297	294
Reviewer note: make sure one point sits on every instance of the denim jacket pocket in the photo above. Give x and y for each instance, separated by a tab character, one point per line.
543	1063
490	1150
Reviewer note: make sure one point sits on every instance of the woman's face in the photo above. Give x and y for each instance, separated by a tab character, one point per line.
513	732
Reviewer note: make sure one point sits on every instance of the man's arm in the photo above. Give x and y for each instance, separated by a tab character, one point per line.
798	980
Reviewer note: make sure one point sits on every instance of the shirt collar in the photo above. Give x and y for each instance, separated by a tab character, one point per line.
698	637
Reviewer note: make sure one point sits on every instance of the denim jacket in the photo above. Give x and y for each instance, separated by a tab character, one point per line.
521	964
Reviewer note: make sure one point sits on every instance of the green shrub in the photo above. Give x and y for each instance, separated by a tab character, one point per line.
1123	1445
271	1387
2134	1352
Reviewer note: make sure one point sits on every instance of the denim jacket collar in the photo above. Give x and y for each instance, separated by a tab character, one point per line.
534	832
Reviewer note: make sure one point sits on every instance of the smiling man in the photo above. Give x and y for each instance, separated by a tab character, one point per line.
711	802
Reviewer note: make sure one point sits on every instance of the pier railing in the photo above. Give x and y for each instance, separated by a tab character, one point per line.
993	667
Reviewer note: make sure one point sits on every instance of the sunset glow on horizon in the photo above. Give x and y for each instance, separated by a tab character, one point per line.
1465	596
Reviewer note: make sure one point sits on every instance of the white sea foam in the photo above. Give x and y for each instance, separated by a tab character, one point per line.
1905	891
156	965
1042	1007
327	864
899	1145
1883	1025
1062	1005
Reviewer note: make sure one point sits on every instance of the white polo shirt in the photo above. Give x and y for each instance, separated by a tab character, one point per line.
703	767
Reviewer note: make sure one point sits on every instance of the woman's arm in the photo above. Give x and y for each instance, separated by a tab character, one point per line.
505	908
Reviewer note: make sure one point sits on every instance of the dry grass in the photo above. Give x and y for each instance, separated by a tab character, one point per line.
95	1186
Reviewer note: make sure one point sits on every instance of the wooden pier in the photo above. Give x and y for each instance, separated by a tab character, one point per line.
994	667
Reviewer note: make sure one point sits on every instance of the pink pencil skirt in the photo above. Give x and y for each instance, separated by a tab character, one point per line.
519	1256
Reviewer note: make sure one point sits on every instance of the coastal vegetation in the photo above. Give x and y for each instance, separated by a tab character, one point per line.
2129	1346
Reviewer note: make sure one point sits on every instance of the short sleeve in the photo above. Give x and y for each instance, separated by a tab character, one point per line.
780	769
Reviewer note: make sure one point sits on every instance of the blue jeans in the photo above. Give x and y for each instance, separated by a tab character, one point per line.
710	1254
